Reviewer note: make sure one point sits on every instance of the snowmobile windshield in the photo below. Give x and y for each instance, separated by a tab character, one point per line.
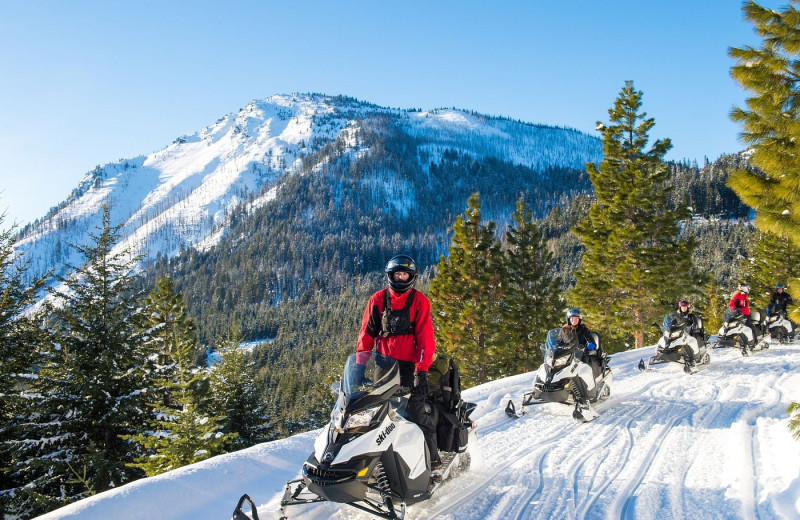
673	324
368	372
558	352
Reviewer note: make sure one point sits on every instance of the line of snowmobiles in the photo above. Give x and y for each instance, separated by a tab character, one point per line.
689	346
370	456
570	375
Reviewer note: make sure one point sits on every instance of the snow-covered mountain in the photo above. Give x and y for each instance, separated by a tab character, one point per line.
182	196
666	445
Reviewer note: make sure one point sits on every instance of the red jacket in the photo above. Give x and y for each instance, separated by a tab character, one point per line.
739	301
417	347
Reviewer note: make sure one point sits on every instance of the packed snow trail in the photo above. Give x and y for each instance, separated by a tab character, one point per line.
714	444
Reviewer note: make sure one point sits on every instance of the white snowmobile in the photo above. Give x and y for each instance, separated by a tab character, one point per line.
677	345
780	328
370	456
564	378
735	332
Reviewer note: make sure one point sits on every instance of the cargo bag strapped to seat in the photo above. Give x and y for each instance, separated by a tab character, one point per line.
445	382
445	385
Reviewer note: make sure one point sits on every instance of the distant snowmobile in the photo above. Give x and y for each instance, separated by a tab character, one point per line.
370	456
563	378
780	328
678	346
735	332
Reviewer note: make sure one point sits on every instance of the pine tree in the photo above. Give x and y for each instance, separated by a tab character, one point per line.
532	301
20	339
89	388
179	432
771	120
237	394
466	295
634	266
167	327
794	421
771	124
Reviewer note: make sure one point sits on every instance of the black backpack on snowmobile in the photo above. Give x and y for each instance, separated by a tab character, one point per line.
452	414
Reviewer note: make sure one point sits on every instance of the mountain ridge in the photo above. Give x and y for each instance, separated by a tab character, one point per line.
180	196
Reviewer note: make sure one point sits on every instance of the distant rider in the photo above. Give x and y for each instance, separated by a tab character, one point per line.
588	351
779	303
403	331
694	330
780	299
693	322
740	301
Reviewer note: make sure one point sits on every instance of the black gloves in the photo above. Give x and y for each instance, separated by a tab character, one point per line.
421	384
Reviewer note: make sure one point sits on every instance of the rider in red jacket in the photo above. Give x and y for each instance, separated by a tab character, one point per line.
739	300
398	320
415	343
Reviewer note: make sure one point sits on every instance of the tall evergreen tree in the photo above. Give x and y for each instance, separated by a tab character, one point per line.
237	394
532	301
20	339
771	123
634	265
771	120
466	295
89	388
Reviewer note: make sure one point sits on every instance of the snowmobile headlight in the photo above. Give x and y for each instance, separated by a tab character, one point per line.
361	419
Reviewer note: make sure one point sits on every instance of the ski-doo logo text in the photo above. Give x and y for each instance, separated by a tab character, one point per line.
382	436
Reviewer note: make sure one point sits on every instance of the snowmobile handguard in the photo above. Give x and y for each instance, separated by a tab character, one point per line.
238	514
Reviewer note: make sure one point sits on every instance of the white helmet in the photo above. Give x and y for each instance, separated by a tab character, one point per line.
744	288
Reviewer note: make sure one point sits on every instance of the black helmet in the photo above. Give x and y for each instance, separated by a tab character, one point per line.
401	263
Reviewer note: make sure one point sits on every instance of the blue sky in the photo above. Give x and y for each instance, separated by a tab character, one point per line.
84	83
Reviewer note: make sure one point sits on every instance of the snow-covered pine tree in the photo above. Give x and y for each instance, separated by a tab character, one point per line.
466	295
237	394
178	432
89	388
20	339
635	265
532	301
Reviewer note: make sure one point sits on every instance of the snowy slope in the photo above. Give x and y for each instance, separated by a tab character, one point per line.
666	445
